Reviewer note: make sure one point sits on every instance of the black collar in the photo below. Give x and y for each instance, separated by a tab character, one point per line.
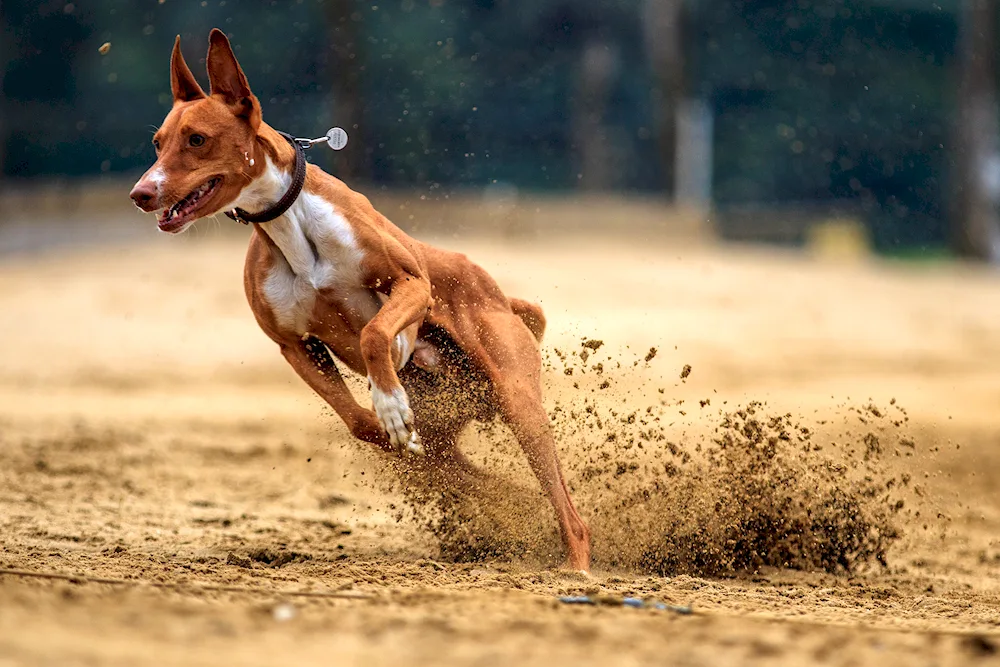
286	201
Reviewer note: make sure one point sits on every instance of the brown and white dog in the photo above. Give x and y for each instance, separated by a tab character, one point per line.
332	274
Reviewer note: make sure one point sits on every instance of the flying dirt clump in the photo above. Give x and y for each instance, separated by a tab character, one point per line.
759	495
748	489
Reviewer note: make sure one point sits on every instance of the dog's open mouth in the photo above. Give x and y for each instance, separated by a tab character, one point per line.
187	209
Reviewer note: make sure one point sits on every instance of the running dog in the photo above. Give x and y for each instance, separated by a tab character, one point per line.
328	276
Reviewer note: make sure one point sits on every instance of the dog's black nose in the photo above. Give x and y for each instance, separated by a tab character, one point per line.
144	195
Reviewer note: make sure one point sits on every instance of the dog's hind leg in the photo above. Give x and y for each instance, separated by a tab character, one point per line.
509	356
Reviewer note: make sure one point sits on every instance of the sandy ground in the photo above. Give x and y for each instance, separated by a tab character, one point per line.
204	508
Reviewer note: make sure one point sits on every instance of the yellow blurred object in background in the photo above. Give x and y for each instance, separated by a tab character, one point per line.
839	239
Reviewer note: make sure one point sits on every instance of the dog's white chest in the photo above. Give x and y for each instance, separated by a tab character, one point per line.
319	258
291	298
319	254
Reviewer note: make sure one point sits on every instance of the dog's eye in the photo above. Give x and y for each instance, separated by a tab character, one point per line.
196	140
156	144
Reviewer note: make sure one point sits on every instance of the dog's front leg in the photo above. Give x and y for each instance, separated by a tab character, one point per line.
312	361
409	299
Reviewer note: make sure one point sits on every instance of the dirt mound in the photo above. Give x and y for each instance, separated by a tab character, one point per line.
753	489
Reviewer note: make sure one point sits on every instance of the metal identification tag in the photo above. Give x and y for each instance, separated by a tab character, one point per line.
335	138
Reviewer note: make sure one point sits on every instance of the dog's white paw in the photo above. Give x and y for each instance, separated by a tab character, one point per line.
395	417
414	445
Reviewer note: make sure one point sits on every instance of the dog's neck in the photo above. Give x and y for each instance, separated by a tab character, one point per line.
275	178
287	231
312	231
262	192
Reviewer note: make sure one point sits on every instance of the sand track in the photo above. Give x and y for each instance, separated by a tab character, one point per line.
149	432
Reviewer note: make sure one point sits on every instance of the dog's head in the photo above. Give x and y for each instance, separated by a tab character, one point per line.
206	146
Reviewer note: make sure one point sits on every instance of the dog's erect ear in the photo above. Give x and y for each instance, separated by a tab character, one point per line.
182	82
227	79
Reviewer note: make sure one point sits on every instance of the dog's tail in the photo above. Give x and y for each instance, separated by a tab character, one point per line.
531	314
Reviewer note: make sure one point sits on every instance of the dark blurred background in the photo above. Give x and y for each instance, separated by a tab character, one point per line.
764	115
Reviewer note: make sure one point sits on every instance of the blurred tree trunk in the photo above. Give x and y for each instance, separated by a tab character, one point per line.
599	61
976	223
346	40
4	115
663	27
6	55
